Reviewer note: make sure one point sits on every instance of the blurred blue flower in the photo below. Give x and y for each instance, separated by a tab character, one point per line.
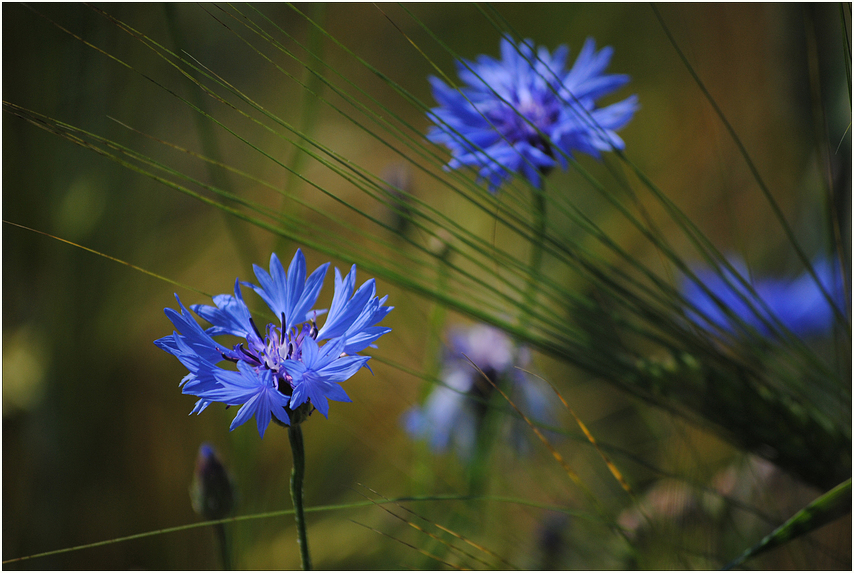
526	112
284	368
452	413
798	304
211	492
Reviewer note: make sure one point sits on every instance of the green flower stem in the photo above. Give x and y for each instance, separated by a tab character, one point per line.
222	541
488	431
297	477
425	469
536	257
489	425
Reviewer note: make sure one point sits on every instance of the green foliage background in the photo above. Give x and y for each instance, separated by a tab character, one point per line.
97	443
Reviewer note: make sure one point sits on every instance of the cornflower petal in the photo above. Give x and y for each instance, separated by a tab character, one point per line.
360	335
229	316
342	312
442	419
200	406
803	308
273	290
289	295
308	297
316	377
256	391
588	65
201	370
364	338
294	281
199	340
353	320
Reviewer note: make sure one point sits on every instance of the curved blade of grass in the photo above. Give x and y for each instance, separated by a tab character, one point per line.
571	353
830	506
291	229
671	207
846	33
331	165
748	301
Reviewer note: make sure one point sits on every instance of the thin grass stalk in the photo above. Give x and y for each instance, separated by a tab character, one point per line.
429	534
828	507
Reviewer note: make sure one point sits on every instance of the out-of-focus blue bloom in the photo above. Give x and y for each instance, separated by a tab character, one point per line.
211	492
452	414
526	113
285	367
798	304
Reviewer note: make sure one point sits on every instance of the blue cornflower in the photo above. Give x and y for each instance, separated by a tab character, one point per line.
452	413
797	304
285	368
526	113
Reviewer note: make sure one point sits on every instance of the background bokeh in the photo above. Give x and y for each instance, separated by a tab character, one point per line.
97	443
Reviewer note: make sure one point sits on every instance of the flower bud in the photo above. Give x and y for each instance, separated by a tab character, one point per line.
211	492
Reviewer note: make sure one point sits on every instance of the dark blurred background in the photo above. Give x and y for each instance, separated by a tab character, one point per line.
97	443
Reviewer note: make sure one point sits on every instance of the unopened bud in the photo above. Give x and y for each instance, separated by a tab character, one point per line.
211	493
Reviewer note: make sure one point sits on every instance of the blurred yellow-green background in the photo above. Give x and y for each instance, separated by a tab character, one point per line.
97	443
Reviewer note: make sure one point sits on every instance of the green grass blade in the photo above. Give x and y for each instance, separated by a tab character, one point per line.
830	506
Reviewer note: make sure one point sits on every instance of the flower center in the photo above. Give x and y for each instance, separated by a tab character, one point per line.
528	120
271	352
276	348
